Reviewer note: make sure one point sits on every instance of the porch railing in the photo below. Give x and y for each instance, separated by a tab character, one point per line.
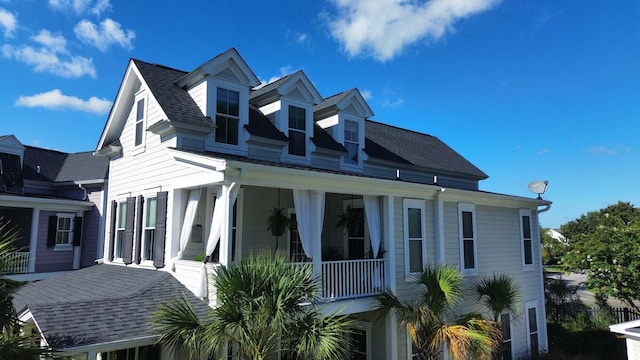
15	263
352	278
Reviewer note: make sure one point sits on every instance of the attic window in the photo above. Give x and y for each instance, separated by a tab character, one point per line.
139	121
297	131
227	116
351	142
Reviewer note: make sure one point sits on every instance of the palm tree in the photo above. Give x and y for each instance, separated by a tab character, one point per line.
12	345
265	307
431	320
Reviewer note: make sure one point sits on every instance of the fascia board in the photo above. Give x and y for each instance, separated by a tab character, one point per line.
199	161
45	204
109	346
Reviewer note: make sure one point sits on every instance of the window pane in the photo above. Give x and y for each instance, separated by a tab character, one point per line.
506	351
415	255
297	144
234	103
149	243
297	118
469	259
351	131
232	131
140	110
467	224
415	223
534	345
533	321
505	321
528	252
122	214
151	212
352	153
526	227
221	103
139	130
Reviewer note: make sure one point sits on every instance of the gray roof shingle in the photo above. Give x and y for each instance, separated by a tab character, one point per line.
100	304
56	166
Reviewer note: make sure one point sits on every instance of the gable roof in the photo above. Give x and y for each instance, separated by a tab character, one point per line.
275	89
391	143
98	304
56	166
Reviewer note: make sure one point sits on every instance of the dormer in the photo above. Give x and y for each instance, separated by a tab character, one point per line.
343	117
288	103
11	160
220	88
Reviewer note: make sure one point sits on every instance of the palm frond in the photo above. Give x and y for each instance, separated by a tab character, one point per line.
499	294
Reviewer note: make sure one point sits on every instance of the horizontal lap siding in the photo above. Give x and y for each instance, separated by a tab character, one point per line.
91	229
258	203
46	258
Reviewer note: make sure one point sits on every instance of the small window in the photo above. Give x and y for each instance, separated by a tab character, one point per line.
527	243
64	231
415	243
297	131
468	243
139	122
296	250
149	228
507	343
120	229
359	344
227	116
532	331
351	142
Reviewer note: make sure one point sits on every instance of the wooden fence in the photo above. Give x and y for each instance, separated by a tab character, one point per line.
613	315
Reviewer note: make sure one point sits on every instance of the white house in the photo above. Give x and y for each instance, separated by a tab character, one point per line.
631	331
199	159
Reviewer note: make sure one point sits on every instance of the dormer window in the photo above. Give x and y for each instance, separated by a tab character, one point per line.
227	116
351	142
139	122
297	131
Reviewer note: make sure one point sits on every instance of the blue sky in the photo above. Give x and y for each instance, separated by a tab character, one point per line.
524	89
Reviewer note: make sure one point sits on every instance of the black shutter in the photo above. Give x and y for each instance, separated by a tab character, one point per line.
160	232
138	239
77	231
127	244
52	230
112	230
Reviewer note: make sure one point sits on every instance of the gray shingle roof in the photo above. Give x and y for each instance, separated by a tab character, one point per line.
330	101
99	304
56	166
176	103
419	149
322	139
260	125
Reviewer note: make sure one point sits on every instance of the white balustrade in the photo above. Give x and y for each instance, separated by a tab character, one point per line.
352	278
16	263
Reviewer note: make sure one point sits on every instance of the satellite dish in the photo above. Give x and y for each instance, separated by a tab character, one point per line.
538	187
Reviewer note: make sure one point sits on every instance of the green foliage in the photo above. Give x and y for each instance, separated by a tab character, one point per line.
499	294
552	249
430	322
265	307
606	243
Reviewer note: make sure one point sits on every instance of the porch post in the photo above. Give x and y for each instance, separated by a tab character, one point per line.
389	239
439	224
316	244
33	240
225	246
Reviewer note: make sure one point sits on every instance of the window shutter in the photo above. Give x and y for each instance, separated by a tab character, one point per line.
138	240
112	229
160	232
77	231
52	230
127	244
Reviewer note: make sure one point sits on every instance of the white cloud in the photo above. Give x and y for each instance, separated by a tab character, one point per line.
8	22
393	103
55	43
55	100
382	29
284	71
366	94
81	7
108	33
45	60
604	150
543	151
302	38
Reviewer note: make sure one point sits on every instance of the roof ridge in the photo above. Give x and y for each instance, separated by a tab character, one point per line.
159	65
400	128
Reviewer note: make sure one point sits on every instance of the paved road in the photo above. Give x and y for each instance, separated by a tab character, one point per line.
578	281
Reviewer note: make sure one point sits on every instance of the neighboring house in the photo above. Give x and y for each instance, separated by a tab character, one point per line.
55	201
198	160
556	234
631	331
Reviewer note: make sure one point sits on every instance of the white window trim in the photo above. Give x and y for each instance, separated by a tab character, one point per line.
348	165
284	119
472	209
366	326
69	245
510	331
243	114
406	205
119	202
356	204
146	197
528	305
141	95
526	212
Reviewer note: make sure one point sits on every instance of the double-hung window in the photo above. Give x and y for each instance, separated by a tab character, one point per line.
297	131
526	239
227	116
149	228
121	221
140	110
507	342
414	236
351	142
468	242
532	329
64	230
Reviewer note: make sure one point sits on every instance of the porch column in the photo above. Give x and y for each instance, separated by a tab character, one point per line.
33	240
389	239
225	239
318	220
439	224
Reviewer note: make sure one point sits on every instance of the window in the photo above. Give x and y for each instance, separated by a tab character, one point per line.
507	343
468	243
64	230
358	344
149	352
118	251
149	228
351	142
415	244
297	131
296	251
532	330
139	122
525	233
227	116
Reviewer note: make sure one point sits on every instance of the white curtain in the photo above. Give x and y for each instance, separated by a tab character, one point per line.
372	210
310	217
189	216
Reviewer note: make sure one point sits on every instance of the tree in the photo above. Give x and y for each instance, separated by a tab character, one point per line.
499	294
265	307
429	319
606	244
13	346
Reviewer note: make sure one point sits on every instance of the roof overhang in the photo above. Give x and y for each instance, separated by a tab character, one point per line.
166	127
45	203
629	329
